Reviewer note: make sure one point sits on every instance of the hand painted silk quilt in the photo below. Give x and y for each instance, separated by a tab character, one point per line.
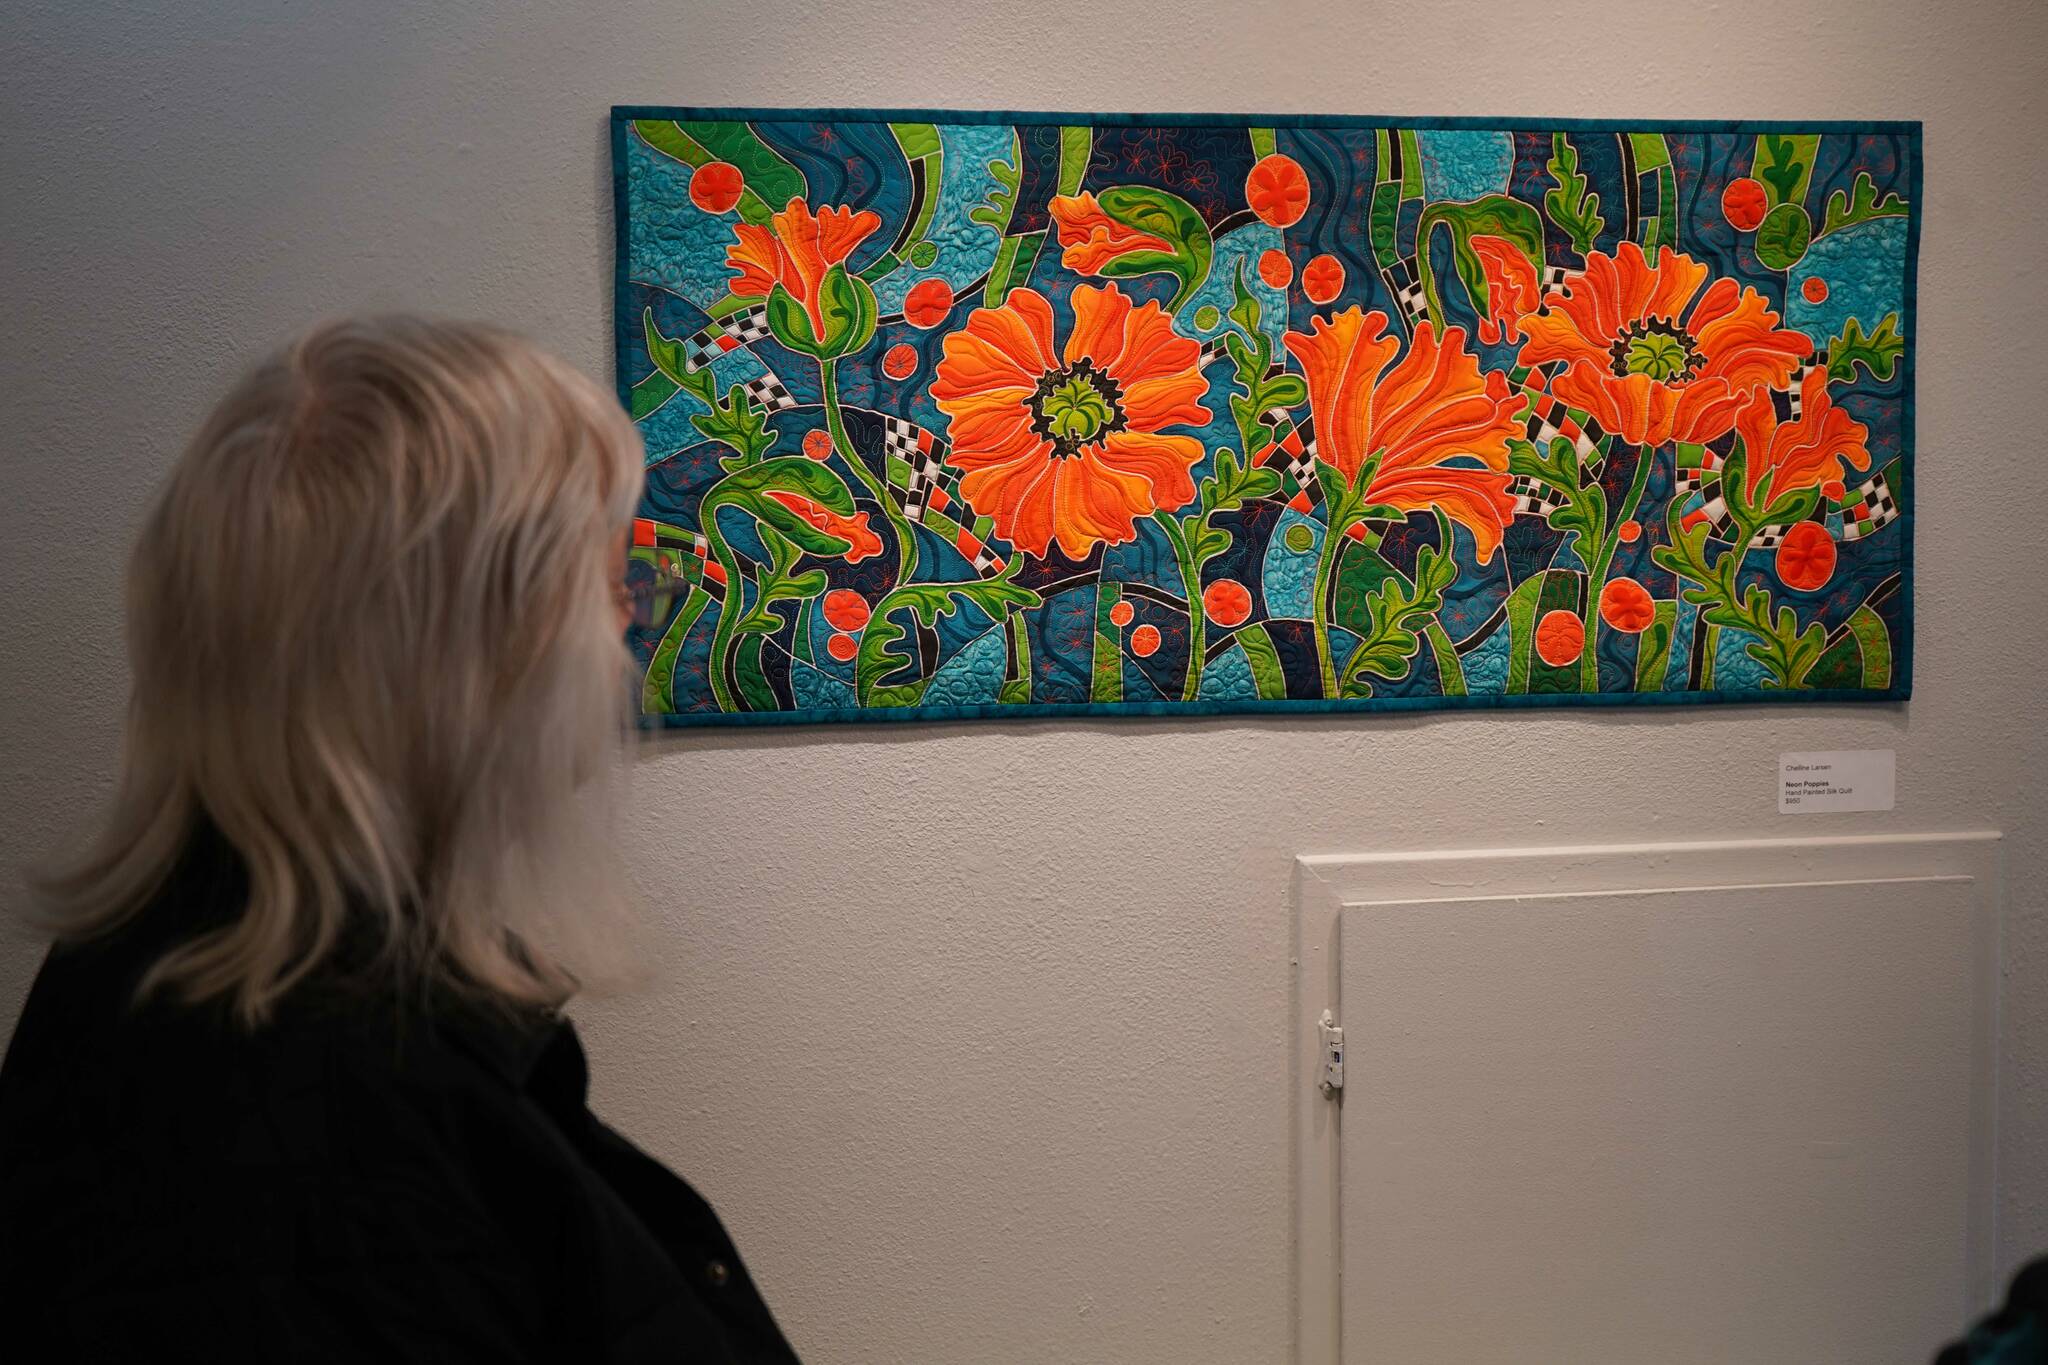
1003	414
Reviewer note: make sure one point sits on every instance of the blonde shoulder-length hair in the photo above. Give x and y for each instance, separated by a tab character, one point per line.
372	627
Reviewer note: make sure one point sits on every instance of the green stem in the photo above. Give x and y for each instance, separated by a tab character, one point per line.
1739	550
657	690
1596	578
835	422
728	612
1198	619
1450	668
1326	563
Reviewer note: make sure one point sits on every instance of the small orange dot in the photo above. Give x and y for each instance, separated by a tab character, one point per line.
1806	557
1322	279
1627	606
899	361
818	444
1815	289
1145	641
1560	638
842	647
1121	614
1277	190
1630	532
1275	269
845	609
715	186
1227	602
928	303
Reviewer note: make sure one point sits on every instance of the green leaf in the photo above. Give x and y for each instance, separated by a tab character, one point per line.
1001	202
1860	205
1585	510
1246	312
1783	163
735	421
1783	236
1495	215
1784	650
1877	352
1570	206
1395	611
1171	219
748	489
879	658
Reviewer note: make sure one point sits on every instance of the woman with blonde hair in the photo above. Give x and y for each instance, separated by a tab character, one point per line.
293	1084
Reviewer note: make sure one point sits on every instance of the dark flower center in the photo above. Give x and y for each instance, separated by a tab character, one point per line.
1662	350
1076	405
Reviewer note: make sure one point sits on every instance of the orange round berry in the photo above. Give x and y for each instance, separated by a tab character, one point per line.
1227	602
899	361
1275	269
715	186
845	609
1120	615
929	303
1560	638
818	443
842	647
1322	279
1277	190
1815	289
1806	557
1743	204
1145	641
1630	531
1627	606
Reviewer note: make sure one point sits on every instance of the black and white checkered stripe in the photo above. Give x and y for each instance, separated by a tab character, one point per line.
1407	288
1534	498
899	438
767	391
1876	496
746	328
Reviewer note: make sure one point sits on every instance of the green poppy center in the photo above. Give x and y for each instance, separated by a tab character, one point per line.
1658	349
1076	405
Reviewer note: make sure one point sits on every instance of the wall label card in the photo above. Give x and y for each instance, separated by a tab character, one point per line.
1837	780
993	414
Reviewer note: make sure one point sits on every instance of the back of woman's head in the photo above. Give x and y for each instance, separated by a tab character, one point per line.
371	630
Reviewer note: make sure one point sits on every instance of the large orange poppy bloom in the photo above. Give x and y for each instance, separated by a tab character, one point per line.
1066	444
1806	452
796	251
1648	368
1433	406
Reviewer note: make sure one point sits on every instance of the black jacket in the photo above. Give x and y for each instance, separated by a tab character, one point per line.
358	1180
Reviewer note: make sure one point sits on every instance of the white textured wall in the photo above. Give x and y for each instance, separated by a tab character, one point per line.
977	1033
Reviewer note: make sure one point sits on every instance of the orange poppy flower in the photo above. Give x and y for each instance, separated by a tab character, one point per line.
1650	368
861	540
1093	239
1067	444
796	251
1806	452
1432	407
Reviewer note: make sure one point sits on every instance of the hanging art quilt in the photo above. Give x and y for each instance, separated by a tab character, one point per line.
976	414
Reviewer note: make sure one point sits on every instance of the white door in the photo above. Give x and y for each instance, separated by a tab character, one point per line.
1666	1106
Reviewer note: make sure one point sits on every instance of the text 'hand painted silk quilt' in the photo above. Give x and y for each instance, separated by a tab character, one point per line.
1006	414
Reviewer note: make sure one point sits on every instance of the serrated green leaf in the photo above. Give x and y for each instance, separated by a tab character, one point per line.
1877	352
1860	205
1570	205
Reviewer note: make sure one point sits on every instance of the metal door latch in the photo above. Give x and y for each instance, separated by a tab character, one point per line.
1333	1054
